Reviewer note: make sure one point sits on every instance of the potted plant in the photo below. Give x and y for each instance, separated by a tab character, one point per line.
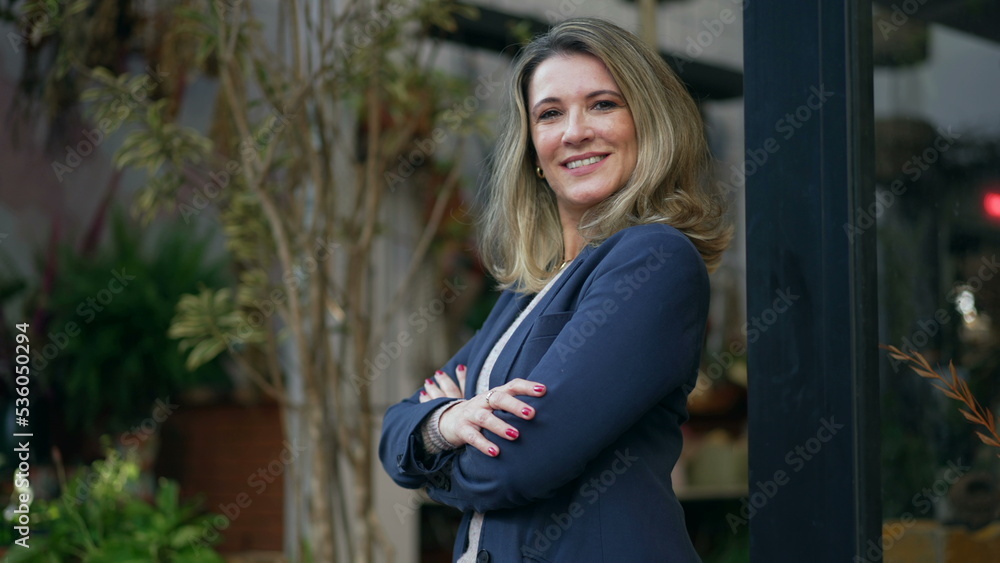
108	361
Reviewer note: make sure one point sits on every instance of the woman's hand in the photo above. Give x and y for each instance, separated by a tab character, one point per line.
464	422
442	386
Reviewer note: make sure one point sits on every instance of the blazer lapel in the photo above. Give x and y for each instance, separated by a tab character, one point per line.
498	376
511	304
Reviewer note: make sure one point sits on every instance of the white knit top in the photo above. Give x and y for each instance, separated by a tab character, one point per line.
433	439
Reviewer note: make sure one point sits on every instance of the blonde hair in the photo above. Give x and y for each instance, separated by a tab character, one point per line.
521	235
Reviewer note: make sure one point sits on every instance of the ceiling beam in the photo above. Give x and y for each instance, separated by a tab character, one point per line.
499	31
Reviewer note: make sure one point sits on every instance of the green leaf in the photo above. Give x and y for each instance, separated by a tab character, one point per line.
204	352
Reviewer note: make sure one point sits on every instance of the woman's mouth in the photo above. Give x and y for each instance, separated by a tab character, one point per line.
585	161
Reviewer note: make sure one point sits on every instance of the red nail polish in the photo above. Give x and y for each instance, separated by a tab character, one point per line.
461	367
493	452
526	411
423	393
439	372
539	388
512	433
429	381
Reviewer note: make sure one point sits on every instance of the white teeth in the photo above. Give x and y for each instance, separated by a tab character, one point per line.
584	162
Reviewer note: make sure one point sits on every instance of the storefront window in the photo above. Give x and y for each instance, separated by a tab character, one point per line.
937	218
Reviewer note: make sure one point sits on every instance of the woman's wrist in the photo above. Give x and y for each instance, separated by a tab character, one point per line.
430	430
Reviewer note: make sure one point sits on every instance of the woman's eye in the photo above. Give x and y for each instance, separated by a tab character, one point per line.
548	114
605	104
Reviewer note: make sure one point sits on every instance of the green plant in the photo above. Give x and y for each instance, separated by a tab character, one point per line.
110	312
98	519
324	114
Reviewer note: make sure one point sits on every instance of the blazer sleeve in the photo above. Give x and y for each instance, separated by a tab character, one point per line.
634	338
400	449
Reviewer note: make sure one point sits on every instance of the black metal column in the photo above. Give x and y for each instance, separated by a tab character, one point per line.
811	306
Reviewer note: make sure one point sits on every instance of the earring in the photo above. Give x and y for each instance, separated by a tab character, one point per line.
539	173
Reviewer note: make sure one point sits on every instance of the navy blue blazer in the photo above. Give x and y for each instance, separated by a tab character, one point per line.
616	341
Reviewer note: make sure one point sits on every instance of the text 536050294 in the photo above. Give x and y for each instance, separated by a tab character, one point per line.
22	453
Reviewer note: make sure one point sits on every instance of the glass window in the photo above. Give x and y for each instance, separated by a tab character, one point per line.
937	217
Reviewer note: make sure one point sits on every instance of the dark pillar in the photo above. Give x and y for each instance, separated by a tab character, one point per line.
814	393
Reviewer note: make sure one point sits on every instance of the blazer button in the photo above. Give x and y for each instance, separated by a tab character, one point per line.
483	556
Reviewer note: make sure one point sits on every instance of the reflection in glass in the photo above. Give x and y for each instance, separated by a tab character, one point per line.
937	177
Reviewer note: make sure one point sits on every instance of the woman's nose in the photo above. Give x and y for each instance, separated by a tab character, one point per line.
578	128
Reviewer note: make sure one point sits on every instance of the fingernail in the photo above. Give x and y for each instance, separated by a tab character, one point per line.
461	367
539	388
429	381
526	411
439	372
512	433
493	452
423	393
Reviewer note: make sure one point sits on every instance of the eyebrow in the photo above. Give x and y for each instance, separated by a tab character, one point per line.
593	94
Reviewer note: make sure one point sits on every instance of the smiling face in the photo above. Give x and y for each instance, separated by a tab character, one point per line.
582	131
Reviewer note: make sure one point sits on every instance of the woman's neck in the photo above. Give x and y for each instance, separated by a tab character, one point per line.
573	241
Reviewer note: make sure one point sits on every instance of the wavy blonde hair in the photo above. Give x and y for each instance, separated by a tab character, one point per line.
520	232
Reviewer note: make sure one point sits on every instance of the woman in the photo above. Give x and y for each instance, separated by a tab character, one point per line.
558	438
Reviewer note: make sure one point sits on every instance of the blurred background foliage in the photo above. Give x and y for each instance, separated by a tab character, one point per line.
109	379
312	112
100	519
